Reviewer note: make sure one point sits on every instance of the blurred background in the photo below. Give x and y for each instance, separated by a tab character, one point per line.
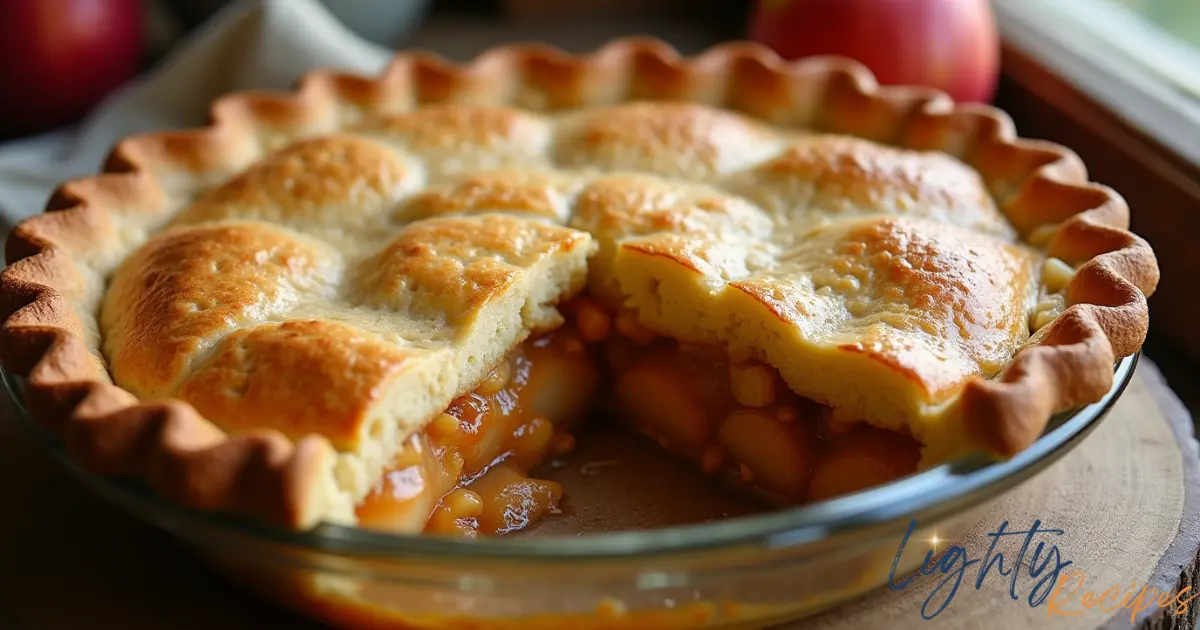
58	58
1116	80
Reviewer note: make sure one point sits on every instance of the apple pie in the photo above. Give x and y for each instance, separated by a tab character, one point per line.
384	301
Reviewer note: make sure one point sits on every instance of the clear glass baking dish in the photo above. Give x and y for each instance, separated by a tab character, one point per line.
743	572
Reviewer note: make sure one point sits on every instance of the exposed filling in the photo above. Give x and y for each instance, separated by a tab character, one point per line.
469	471
738	420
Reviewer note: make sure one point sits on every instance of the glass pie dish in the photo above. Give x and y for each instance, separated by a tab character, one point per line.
740	572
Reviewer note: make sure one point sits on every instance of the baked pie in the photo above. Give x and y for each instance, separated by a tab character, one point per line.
385	301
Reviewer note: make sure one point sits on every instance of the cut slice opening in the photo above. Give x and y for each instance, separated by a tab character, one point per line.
472	470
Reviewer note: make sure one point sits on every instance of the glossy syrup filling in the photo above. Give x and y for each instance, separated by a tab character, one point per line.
469	471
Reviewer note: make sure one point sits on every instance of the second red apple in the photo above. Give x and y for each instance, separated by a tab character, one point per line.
59	57
951	45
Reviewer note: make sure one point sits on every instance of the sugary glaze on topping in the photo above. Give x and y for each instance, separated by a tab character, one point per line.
362	284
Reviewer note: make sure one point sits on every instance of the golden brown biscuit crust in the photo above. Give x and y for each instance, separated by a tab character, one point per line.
60	257
174	296
345	373
310	182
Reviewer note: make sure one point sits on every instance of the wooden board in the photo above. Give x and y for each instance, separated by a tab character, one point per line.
69	561
1126	501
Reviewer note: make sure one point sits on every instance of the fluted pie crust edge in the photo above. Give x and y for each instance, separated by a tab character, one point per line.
189	460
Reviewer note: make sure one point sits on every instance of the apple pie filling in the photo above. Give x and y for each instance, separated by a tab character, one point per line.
469	472
737	419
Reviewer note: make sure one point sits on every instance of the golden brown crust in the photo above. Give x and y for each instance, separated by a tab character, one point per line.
173	297
924	299
458	139
449	268
539	193
833	177
312	182
676	139
346	373
59	260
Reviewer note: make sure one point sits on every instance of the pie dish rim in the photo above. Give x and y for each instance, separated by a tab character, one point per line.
169	445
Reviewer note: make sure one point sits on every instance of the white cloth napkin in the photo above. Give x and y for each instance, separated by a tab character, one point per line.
266	44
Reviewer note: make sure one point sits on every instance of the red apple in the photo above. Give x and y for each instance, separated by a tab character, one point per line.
58	58
947	44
